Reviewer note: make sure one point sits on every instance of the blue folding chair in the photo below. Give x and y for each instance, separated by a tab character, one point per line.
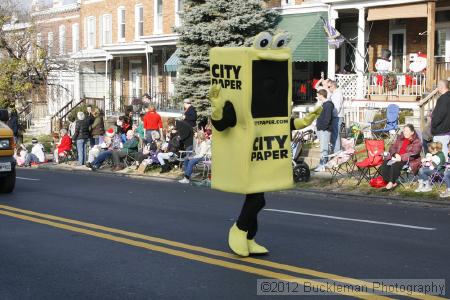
391	128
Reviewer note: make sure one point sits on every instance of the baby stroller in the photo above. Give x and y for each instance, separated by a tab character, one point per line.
301	169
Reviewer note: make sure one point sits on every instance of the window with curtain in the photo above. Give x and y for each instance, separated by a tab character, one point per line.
158	16
91	32
178	12
50	43
62	40
121	24
139	21
106	29
75	37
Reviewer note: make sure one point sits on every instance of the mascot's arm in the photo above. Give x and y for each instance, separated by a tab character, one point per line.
301	123
223	114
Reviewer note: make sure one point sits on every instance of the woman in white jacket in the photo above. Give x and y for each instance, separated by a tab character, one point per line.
202	148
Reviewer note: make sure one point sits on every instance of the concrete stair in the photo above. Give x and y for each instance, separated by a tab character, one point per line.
40	126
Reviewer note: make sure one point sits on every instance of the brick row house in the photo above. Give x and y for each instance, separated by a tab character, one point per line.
122	49
408	28
111	52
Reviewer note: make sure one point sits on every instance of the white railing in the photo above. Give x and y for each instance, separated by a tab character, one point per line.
408	85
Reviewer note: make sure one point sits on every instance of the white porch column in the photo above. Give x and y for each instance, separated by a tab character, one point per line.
107	84
331	71
360	55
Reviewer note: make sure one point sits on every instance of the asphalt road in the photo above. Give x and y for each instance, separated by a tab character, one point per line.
51	245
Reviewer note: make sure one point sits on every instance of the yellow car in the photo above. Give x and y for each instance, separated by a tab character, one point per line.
7	161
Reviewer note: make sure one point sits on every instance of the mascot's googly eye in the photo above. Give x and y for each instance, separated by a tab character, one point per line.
263	41
279	41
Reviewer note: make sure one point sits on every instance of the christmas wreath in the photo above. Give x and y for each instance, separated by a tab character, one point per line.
390	82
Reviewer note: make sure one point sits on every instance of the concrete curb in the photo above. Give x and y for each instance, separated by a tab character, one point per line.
296	190
378	198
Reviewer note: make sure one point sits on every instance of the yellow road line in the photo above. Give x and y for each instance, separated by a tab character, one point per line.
218	253
204	259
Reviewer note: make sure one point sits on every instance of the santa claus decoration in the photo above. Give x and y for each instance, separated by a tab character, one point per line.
419	64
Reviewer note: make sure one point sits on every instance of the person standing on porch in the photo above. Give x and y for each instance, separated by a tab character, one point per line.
338	114
152	122
440	118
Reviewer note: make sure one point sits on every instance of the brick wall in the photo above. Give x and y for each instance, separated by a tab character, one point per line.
97	9
46	24
277	3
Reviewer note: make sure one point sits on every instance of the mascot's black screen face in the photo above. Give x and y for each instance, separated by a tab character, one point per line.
270	89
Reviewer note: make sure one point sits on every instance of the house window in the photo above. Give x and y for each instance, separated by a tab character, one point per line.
287	2
178	12
91	32
75	37
62	40
49	43
106	29
440	39
121	24
158	17
139	21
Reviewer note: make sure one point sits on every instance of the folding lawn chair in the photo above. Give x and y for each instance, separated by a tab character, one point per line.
437	178
373	161
391	128
408	176
342	164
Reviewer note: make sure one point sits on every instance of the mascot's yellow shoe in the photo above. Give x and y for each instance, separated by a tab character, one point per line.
254	248
237	240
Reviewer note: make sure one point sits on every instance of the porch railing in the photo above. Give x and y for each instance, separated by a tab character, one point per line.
162	102
61	115
25	116
426	106
393	86
405	86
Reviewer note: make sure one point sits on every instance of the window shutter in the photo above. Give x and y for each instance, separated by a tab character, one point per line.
110	30
100	30
85	33
95	33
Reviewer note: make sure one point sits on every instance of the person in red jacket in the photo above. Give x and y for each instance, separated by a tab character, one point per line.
64	145
152	122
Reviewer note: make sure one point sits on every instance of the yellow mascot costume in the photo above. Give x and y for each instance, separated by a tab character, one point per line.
251	116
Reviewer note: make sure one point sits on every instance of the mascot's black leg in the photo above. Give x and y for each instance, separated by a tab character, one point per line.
241	238
248	219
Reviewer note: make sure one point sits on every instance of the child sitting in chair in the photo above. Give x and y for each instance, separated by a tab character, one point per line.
434	160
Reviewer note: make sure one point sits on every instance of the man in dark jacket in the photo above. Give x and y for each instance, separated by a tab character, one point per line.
81	136
324	127
190	114
440	119
186	134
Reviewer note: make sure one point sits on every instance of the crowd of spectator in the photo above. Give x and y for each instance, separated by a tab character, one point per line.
147	140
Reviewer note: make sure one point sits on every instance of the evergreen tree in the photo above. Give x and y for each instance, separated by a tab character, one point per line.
215	23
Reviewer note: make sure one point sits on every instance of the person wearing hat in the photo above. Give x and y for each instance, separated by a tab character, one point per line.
190	114
37	154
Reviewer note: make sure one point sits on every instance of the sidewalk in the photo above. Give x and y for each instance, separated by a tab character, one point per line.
319	183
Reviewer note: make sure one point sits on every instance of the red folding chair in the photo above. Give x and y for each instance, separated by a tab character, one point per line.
373	161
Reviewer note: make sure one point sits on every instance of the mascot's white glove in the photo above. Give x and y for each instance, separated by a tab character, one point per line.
217	102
